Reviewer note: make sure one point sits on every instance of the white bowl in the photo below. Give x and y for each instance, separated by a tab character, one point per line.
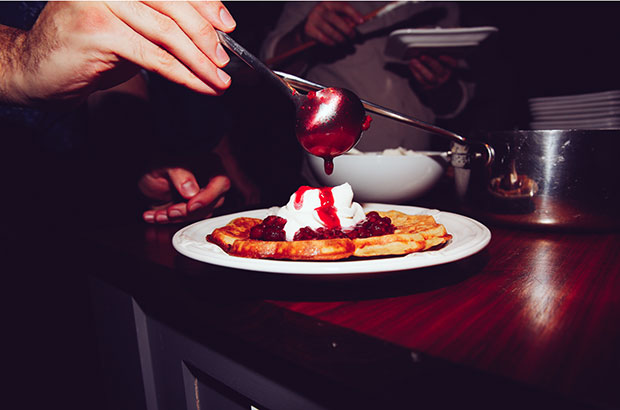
376	177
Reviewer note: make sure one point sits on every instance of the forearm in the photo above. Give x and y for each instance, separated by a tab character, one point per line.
12	41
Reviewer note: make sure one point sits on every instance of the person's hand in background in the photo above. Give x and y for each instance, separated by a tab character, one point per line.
432	72
165	185
331	23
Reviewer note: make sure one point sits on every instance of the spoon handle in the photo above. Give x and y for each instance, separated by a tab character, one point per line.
306	85
257	65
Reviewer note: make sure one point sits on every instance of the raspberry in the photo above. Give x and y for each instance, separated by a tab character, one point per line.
304	234
270	229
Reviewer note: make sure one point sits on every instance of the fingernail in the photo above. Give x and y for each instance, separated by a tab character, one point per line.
223	76
149	217
161	218
226	18
195	206
221	55
190	188
175	213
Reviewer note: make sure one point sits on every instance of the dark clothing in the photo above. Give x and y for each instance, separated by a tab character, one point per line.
53	131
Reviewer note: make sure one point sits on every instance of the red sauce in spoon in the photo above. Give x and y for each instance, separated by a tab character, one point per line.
329	123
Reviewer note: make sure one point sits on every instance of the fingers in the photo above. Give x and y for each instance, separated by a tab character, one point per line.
346	11
420	72
216	14
155	186
200	206
160	37
448	61
431	72
184	182
199	30
332	22
216	187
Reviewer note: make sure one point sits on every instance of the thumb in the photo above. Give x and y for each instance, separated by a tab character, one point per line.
184	182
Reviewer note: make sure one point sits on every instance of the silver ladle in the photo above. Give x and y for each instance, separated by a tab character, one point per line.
328	121
487	151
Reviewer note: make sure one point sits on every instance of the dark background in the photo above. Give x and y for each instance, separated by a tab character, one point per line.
541	49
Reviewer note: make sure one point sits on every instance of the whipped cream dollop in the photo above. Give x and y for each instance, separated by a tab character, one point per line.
400	151
327	207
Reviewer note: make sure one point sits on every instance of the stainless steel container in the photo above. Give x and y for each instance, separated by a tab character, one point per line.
565	179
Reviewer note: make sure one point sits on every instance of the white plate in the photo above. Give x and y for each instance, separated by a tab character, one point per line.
590	108
605	123
468	238
577	98
577	116
401	42
589	105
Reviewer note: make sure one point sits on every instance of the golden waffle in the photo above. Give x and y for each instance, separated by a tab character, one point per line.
237	230
314	250
413	233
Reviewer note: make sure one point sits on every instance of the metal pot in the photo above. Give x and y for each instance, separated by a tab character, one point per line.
543	178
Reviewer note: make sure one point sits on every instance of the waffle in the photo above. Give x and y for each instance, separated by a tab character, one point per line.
413	233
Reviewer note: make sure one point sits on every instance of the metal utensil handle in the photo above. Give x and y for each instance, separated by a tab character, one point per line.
306	85
256	64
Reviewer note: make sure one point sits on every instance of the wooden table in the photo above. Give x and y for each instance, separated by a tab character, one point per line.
531	321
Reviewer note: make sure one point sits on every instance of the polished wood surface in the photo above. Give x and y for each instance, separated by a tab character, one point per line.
533	317
543	309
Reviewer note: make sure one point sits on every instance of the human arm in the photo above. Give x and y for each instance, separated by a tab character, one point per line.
329	23
75	48
304	23
172	187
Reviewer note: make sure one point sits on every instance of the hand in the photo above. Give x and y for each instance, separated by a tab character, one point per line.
430	72
161	185
332	23
75	48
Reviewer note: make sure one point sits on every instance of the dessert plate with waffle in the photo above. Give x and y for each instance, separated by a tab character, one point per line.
323	231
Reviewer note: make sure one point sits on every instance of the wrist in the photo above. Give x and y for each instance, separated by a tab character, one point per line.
12	81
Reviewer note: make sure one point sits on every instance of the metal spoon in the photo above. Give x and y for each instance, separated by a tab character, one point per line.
487	151
328	121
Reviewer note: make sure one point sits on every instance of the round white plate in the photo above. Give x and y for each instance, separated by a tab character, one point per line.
468	238
603	113
574	107
401	43
577	98
613	122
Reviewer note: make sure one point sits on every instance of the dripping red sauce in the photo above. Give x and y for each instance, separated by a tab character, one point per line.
326	212
330	143
366	123
328	146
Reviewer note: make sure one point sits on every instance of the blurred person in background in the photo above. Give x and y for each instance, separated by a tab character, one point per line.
426	86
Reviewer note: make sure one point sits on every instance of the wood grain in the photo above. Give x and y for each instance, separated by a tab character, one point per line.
544	310
533	309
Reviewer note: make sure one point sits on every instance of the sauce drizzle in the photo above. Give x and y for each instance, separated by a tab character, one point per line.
326	212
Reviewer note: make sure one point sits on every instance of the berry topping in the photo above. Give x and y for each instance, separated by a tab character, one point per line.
272	229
